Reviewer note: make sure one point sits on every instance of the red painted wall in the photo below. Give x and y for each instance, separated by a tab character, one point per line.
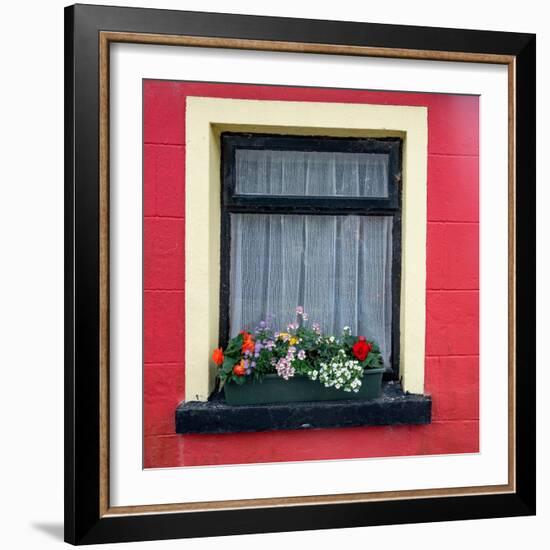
452	293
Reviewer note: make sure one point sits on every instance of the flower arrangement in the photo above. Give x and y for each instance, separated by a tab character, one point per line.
303	350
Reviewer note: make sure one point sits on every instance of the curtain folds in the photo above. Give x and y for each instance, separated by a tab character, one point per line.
311	173
337	267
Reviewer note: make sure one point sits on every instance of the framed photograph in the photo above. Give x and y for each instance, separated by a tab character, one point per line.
300	274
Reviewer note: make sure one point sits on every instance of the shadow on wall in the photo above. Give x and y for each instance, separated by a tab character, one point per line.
53	530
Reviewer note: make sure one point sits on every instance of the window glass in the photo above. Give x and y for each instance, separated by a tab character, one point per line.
311	173
337	267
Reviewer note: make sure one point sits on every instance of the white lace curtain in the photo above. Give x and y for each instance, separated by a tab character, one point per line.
313	173
337	267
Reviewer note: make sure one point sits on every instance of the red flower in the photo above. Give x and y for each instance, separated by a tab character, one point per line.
217	356
361	348
239	369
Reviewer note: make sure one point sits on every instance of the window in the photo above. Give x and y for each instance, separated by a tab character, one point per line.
312	221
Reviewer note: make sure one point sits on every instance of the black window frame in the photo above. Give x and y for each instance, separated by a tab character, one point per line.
231	203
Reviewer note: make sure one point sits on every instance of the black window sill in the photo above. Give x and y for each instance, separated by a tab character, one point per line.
215	416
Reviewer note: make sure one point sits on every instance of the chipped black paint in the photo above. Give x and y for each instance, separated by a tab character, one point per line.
216	416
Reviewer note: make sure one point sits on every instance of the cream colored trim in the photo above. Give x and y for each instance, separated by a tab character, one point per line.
206	118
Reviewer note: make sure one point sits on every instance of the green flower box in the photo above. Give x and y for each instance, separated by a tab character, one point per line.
274	389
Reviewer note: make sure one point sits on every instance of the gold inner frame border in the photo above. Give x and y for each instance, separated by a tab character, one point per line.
108	37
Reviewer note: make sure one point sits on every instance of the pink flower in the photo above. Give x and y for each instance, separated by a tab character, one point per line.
284	368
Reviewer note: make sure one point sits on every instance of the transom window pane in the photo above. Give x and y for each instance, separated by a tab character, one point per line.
311	173
337	267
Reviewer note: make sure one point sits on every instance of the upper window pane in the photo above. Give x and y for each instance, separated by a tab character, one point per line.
311	173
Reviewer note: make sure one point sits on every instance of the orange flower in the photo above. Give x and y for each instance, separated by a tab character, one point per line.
217	356
248	345
239	369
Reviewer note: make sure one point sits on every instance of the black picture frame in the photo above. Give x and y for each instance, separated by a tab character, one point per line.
85	522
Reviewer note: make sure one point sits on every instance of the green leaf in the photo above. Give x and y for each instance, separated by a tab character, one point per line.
234	346
228	364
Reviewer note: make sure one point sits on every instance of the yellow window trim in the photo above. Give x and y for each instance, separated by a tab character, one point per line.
206	118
